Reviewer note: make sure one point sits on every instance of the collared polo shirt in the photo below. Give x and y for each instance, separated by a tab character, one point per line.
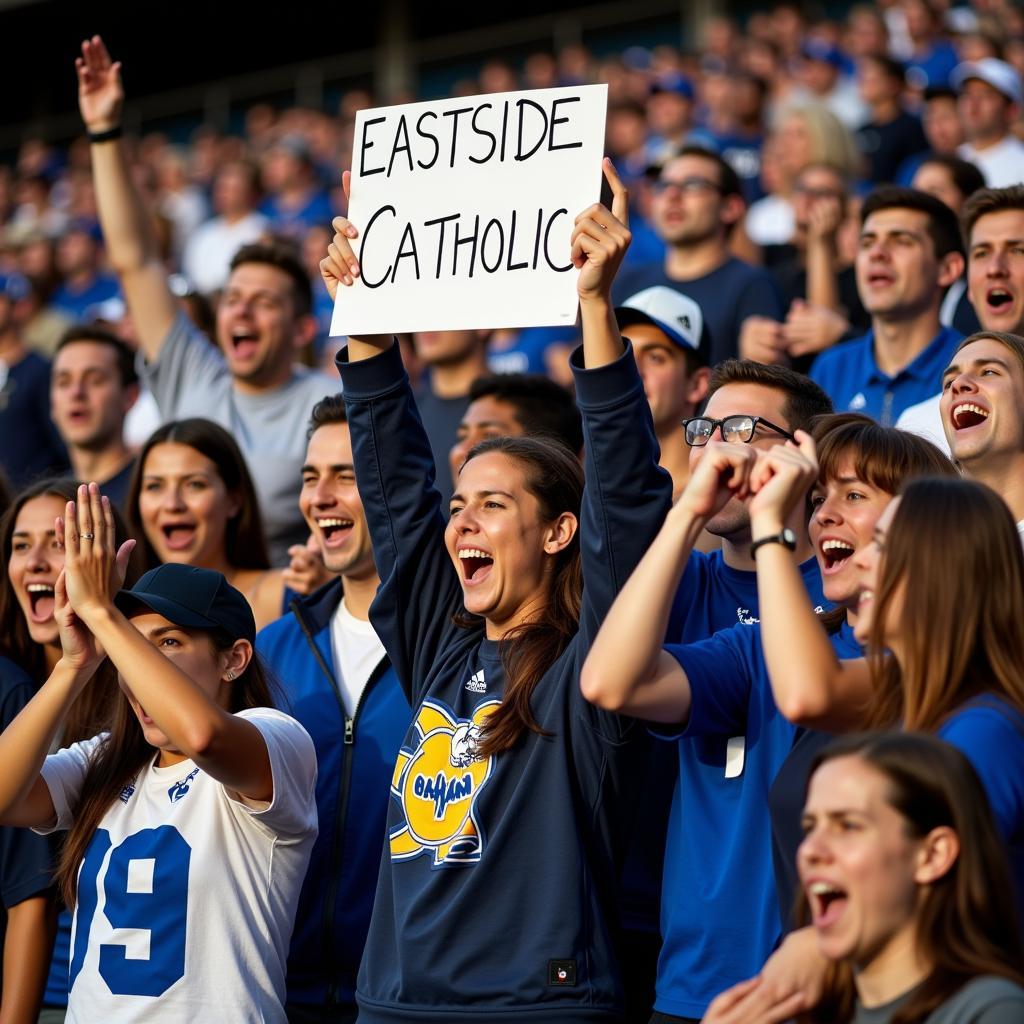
851	377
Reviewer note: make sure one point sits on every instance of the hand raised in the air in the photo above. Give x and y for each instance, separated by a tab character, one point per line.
600	239
100	93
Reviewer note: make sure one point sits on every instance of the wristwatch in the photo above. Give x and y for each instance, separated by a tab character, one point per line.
787	539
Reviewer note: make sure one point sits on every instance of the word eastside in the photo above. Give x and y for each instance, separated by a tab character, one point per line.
465	209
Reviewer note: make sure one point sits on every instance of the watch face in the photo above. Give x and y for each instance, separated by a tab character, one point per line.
789	538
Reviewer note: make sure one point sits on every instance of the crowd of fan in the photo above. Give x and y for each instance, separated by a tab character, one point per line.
819	212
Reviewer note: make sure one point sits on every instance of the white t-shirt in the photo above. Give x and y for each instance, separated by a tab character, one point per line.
357	651
212	246
1001	164
186	895
925	420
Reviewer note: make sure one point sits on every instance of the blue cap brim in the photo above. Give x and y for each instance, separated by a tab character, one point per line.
130	601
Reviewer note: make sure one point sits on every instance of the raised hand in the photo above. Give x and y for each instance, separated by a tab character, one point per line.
722	473
600	239
809	329
100	93
780	480
340	265
79	649
94	568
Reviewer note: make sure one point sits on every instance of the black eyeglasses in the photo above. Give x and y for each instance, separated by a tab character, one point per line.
734	429
694	183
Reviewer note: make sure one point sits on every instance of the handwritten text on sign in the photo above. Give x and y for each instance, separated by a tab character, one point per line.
465	209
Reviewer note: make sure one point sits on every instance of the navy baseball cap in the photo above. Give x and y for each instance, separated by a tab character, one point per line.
677	316
191	597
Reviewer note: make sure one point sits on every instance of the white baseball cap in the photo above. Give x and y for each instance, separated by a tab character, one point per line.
673	313
992	71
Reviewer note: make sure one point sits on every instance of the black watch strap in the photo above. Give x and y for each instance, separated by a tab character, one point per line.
787	538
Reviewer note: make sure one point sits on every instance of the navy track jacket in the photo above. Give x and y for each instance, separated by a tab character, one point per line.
354	757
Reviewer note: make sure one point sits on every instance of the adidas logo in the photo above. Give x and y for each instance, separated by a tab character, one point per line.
477	683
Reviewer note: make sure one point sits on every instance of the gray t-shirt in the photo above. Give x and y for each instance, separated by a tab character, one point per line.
191	378
985	1000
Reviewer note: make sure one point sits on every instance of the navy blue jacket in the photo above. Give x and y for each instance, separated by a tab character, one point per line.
496	900
355	757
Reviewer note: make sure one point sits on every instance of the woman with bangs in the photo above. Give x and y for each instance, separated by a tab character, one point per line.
29	648
192	501
716	692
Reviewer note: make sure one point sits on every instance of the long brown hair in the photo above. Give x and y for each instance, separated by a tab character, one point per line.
954	552
966	924
245	544
884	457
553	475
124	752
91	711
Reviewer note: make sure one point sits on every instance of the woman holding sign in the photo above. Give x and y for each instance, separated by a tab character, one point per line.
511	795
190	823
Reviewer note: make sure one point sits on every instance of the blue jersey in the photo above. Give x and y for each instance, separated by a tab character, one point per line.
850	376
714	596
990	733
496	895
720	917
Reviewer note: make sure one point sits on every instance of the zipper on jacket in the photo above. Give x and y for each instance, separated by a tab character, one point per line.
338	842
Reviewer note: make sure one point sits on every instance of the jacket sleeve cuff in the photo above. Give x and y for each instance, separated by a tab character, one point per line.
605	385
370	378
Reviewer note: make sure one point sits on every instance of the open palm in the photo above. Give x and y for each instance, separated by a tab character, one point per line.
100	94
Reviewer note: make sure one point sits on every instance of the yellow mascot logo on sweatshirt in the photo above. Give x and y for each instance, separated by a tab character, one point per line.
436	782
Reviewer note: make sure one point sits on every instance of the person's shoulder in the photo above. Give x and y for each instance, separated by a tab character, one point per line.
13	678
843	354
980	995
988	719
314	382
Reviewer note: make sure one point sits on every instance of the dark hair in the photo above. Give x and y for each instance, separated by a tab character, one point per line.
963	640
124	752
5	492
123	353
966	176
989	200
1013	342
280	254
939	92
91	710
889	66
542	407
555	478
245	545
805	400
728	180
330	409
943	228
883	457
966	923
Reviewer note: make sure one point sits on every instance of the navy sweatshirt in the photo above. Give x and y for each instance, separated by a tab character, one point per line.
354	759
496	897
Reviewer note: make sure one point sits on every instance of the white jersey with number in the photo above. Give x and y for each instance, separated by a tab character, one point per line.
186	895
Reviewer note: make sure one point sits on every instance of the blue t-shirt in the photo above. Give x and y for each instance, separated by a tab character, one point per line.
933	67
526	353
990	733
74	302
850	376
714	596
727	296
294	221
741	152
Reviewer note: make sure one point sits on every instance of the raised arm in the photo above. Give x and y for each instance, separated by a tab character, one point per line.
627	670
811	685
225	746
24	796
419	589
127	227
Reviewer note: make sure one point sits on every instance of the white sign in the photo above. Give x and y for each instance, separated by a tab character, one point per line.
465	210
